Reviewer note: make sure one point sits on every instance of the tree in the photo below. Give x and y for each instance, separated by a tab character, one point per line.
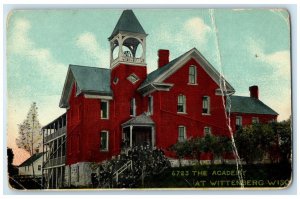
144	162
30	136
260	140
284	132
12	170
182	149
220	146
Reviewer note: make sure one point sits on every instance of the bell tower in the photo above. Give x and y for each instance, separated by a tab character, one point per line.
128	41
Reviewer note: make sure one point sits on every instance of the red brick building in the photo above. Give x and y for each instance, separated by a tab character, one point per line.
124	106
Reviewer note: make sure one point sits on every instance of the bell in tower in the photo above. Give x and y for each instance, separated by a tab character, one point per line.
128	41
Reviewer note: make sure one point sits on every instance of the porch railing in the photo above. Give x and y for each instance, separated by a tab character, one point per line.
126	166
57	133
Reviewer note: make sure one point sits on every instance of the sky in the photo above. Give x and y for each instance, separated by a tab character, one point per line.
248	46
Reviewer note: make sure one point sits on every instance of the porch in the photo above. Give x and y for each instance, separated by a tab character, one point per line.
138	131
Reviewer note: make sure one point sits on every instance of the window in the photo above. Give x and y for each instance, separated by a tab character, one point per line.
39	167
104	141
255	120
181	133
150	104
116	80
181	104
238	122
104	109
205	105
192	75
133	78
207	130
132	107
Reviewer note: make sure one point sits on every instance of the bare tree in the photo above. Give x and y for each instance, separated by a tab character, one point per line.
30	137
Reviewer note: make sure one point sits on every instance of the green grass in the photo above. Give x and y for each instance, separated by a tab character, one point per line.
218	176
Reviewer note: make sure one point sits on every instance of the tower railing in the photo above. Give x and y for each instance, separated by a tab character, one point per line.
124	58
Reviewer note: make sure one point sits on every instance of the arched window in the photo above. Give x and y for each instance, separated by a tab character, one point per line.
192	75
181	104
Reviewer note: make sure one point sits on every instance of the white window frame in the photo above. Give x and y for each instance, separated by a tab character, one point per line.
107	141
208	105
101	111
115	80
240	119
134	76
133	106
255	120
184	133
193	75
209	130
183	103
150	104
39	167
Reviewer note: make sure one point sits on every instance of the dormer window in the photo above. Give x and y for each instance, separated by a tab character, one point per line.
133	78
192	75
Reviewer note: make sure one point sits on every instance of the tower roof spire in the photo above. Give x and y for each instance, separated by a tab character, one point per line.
128	23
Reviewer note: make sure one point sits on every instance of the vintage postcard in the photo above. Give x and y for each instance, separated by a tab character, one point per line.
141	98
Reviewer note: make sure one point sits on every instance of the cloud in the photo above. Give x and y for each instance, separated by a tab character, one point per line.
197	29
91	48
191	33
193	30
279	65
20	42
32	72
280	61
21	45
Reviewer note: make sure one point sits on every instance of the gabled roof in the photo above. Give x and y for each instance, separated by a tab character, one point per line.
160	74
127	23
31	159
142	119
240	104
89	80
156	73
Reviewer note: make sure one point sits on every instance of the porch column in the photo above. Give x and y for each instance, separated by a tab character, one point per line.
153	136
130	133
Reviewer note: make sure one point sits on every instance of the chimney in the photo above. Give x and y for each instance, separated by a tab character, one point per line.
163	57
253	91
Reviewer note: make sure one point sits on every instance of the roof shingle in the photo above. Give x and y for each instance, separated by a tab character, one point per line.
91	79
128	23
142	119
241	104
30	160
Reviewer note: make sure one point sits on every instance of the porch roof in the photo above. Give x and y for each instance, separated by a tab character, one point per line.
140	120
